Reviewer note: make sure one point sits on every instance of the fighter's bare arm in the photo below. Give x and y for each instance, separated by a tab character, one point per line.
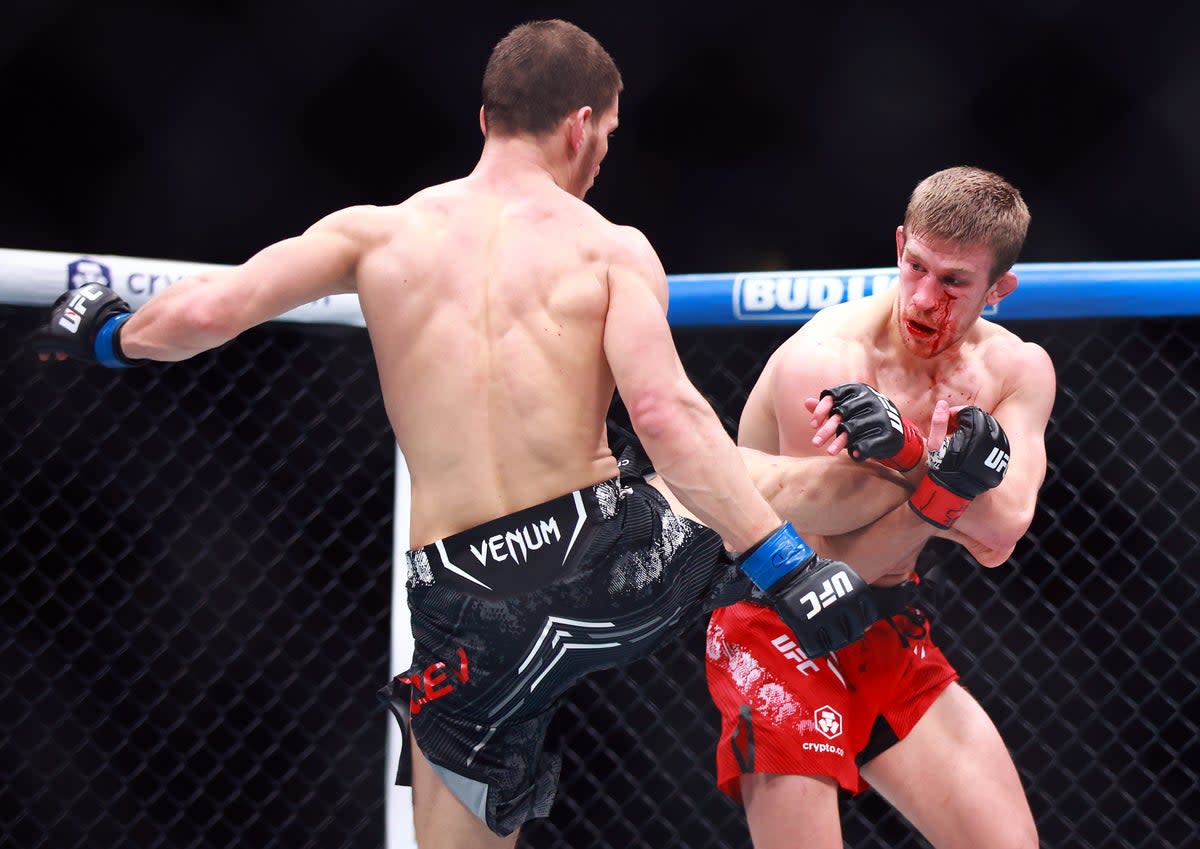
822	497
209	309
816	495
999	518
678	428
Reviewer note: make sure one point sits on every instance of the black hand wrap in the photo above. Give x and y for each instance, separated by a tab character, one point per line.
85	323
875	428
825	602
972	460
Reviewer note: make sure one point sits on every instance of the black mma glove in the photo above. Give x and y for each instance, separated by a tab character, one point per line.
972	460
825	602
85	323
876	429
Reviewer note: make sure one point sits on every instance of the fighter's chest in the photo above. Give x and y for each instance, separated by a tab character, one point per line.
916	395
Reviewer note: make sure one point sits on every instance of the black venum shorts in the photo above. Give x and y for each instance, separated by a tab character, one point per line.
507	616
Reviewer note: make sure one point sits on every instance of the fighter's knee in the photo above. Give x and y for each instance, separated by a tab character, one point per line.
1015	831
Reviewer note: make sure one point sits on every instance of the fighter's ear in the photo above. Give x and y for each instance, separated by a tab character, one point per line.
576	124
1003	287
899	243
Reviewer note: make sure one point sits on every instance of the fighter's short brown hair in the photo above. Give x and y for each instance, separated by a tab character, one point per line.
973	207
541	72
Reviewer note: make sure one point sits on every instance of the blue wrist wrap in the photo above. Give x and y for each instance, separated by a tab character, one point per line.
106	352
777	555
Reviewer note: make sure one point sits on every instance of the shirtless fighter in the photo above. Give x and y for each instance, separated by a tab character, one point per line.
886	712
503	311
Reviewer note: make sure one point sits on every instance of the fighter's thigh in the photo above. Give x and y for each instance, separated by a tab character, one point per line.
440	820
781	808
953	778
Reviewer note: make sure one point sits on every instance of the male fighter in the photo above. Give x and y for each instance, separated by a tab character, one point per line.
503	311
886	712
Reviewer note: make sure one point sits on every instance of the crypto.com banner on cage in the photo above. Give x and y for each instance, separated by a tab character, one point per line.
36	278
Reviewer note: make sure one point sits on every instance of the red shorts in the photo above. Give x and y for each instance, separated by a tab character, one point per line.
782	713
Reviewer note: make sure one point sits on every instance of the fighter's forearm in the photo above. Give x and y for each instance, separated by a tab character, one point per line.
825	495
700	464
886	546
993	525
178	323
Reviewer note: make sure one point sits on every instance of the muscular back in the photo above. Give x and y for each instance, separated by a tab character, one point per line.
485	305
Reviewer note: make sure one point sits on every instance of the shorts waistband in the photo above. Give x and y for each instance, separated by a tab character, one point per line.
534	540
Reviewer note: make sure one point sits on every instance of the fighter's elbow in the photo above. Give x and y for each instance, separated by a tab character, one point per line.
998	543
209	316
998	528
656	414
990	558
1012	531
991	543
208	321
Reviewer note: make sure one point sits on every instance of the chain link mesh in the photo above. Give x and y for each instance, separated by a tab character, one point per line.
196	590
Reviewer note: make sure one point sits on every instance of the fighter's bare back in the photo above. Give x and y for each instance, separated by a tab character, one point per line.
486	301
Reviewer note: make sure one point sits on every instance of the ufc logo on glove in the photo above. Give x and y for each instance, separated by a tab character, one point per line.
831	591
77	307
997	460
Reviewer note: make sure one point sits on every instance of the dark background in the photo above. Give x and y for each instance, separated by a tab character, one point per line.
753	136
195	582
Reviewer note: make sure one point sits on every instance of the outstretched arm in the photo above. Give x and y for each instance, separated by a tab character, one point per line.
817	491
678	428
825	603
209	309
824	496
202	312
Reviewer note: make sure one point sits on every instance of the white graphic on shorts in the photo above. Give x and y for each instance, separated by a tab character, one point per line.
559	633
788	648
828	721
608	498
639	569
581	513
441	547
419	572
784	643
517	544
824	748
766	695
